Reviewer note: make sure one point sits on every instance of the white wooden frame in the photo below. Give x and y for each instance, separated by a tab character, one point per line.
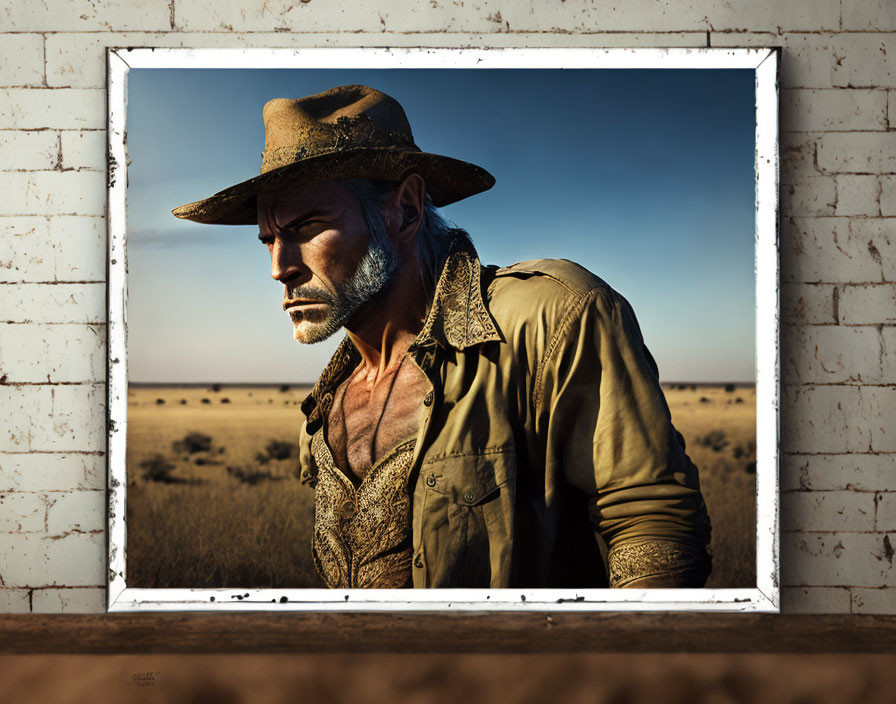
763	598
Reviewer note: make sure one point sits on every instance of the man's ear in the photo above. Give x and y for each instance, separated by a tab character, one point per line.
405	208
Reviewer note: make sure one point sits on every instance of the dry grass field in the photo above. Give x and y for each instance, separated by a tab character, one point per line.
214	501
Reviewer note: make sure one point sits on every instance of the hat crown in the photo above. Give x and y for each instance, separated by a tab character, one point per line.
341	119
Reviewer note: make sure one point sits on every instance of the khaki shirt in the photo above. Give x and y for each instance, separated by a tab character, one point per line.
545	424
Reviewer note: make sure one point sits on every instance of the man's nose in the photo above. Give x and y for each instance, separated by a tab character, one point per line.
286	261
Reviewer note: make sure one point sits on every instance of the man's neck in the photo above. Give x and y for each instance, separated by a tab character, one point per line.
383	329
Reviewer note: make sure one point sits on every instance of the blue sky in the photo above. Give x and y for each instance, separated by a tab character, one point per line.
645	177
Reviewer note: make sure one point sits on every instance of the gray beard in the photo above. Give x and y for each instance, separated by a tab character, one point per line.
375	274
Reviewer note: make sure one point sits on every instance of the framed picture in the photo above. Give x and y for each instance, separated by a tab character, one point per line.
605	335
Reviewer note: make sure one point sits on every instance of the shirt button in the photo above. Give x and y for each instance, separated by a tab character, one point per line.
427	400
430	480
469	496
418	562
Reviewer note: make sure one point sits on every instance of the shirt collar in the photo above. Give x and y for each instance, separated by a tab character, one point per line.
458	318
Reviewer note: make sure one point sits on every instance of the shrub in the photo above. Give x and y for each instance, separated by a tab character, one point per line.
278	450
193	443
714	439
157	469
250	477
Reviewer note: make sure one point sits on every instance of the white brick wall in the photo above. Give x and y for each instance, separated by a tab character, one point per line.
838	249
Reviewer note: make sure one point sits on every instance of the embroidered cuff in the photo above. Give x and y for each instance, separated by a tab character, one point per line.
687	563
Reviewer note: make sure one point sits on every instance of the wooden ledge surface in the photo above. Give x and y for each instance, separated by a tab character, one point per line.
443	633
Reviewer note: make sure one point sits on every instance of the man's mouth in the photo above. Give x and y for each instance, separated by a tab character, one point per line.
298	302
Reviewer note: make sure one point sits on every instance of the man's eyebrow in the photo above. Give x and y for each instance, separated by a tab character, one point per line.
295	221
317	212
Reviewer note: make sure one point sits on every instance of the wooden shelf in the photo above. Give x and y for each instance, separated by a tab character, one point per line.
442	633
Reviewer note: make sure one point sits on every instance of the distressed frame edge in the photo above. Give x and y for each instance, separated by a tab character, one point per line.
764	598
116	306
768	327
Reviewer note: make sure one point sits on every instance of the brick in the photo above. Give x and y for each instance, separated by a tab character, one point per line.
22	512
69	353
21	409
55	303
881	417
79	246
888	355
831	354
826	419
874	15
837	559
857	152
886	511
84	15
53	193
57	248
833	109
57	108
32	561
868	473
76	560
810	196
805	62
73	600
833	249
29	150
808	304
813	600
51	471
888	195
76	511
14	601
798	155
827	511
868	304
25	250
879	237
865	60
874	601
22	60
85	149
73	424
858	195
891	109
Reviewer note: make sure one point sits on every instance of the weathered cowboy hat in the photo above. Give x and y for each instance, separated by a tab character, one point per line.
345	132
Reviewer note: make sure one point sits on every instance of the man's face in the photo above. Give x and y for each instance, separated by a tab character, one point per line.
322	252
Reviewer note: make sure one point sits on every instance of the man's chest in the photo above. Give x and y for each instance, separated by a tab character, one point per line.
367	420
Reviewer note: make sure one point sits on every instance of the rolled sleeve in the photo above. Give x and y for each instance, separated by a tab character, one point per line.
608	432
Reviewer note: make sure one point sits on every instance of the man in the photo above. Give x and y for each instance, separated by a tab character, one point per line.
477	425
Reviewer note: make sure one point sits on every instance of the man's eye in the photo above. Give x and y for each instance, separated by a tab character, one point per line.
307	229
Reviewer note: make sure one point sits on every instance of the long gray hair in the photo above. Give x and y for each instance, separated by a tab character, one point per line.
433	240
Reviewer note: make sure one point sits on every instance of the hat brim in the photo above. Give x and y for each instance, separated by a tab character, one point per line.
447	180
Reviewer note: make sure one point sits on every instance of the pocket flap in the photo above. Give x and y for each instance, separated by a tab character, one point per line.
469	479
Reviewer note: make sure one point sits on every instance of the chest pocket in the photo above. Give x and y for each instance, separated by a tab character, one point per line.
467	518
